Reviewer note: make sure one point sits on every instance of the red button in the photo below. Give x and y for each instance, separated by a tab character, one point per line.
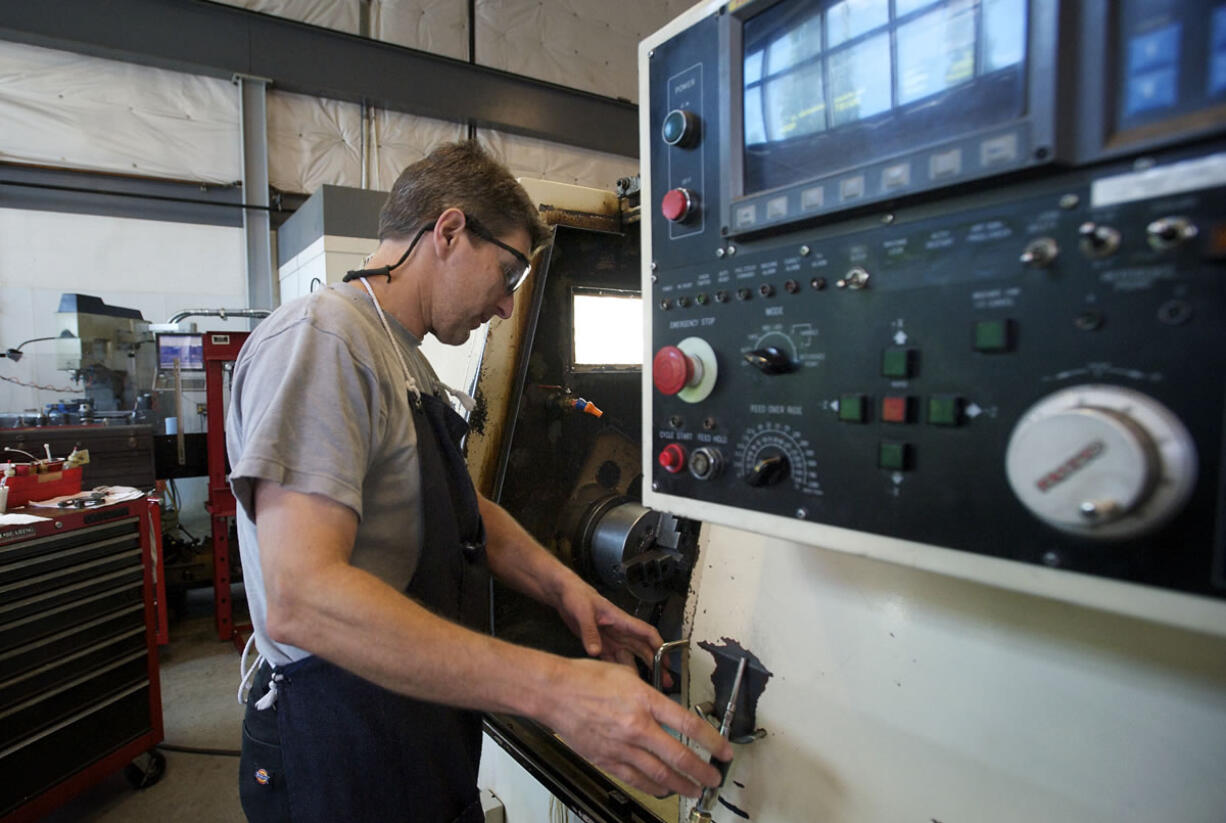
673	458
894	409
677	204
671	370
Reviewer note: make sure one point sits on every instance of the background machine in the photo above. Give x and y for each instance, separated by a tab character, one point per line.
941	284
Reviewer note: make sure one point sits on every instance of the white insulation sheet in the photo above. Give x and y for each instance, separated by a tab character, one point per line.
584	44
437	26
72	111
68	110
341	15
526	157
312	141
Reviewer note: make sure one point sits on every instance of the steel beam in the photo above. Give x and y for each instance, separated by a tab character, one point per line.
253	133
86	192
219	40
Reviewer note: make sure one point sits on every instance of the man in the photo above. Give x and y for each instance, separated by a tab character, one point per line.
366	550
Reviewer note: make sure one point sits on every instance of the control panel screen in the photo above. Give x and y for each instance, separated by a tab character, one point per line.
188	349
832	85
1172	59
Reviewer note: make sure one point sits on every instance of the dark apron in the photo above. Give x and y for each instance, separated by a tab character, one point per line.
336	747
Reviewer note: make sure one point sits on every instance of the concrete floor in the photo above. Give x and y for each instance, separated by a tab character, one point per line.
199	678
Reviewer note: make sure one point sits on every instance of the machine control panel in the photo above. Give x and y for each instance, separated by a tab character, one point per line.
938	309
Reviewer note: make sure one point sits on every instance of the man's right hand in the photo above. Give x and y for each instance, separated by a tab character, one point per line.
607	714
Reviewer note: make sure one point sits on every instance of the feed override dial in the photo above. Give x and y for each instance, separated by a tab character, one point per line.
772	453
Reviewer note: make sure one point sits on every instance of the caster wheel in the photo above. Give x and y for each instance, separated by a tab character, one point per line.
145	770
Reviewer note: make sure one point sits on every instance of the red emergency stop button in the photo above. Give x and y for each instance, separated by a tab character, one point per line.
672	458
678	204
671	370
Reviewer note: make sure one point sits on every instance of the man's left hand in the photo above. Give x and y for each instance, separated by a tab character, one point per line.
607	632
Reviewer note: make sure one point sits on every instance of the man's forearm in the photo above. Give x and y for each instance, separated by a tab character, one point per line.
518	560
317	601
360	623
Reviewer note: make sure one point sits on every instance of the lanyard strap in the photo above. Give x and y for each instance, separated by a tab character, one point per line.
409	383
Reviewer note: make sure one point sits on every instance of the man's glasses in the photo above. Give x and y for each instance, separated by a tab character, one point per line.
514	274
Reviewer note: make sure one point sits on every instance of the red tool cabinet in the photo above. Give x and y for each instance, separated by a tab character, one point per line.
79	690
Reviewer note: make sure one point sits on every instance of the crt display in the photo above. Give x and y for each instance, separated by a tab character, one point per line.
187	348
828	85
1172	59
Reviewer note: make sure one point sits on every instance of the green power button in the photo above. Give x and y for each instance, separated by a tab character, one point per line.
679	128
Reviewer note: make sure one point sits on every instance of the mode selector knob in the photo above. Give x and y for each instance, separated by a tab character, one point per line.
770	360
678	204
770	467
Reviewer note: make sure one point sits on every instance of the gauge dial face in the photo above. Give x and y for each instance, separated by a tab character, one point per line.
770	440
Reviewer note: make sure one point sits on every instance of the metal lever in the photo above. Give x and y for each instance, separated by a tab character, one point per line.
701	813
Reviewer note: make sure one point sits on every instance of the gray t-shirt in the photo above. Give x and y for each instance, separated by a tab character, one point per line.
318	404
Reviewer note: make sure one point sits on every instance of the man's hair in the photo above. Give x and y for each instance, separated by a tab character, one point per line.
464	176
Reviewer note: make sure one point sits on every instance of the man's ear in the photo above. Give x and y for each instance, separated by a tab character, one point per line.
447	229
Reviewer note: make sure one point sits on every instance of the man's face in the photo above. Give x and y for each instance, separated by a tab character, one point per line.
475	286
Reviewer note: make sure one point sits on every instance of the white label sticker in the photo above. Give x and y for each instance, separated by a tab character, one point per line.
1160	181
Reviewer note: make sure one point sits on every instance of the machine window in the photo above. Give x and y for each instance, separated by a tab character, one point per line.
608	330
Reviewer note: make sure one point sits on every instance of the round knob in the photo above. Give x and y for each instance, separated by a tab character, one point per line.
678	204
672	370
672	458
770	467
1101	461
680	128
706	462
1040	253
769	360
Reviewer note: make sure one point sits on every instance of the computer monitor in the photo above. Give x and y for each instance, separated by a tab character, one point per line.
188	349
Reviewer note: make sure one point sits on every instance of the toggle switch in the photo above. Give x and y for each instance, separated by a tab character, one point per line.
1040	253
1098	241
856	278
1167	233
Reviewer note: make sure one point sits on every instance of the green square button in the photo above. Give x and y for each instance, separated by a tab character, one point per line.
944	410
896	363
852	408
992	335
893	456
